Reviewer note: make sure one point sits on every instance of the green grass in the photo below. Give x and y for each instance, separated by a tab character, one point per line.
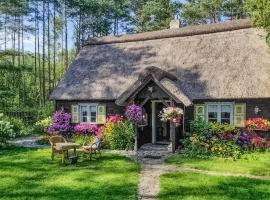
30	174
193	186
257	163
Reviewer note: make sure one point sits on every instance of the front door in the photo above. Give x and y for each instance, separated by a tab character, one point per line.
162	128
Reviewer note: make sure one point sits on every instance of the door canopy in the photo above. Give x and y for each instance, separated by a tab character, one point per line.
166	81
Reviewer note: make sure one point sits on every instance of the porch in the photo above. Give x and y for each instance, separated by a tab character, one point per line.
154	90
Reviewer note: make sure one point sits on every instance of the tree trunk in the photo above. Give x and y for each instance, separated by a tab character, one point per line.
49	46
54	43
66	37
43	54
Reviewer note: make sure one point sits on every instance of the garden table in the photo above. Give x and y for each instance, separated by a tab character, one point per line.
65	147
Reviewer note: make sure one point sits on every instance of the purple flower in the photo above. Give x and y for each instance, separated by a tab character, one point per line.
61	123
134	113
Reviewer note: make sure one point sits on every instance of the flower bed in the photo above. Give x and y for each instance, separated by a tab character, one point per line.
91	129
214	139
258	124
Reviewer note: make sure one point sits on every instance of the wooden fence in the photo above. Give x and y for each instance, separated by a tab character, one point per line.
26	116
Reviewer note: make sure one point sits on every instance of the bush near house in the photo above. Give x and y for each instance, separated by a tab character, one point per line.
6	131
117	133
221	140
42	126
20	127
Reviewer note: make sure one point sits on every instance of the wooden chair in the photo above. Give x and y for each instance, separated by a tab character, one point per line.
93	148
57	139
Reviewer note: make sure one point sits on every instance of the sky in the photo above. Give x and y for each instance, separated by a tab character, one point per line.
29	42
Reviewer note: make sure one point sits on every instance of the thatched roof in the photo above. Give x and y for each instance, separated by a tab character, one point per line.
217	61
164	80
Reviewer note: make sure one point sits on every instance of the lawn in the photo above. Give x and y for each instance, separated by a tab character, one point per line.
30	174
257	163
193	186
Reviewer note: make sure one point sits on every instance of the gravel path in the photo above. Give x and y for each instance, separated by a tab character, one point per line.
151	157
29	141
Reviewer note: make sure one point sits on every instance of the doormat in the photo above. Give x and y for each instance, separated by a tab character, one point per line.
152	157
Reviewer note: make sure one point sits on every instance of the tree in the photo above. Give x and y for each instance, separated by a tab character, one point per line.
259	11
202	11
150	15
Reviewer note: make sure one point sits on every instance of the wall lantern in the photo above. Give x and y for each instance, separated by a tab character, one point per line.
257	110
144	119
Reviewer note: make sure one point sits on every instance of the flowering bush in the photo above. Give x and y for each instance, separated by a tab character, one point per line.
61	123
171	114
115	119
258	123
86	129
211	144
215	139
42	125
134	113
6	132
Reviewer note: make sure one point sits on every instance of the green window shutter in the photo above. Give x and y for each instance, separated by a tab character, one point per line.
239	114
199	111
74	113
101	114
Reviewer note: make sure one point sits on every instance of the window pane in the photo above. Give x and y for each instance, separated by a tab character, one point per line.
84	113
212	120
212	113
225	114
93	113
225	121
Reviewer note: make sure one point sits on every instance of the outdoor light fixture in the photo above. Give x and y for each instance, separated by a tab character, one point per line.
257	110
144	119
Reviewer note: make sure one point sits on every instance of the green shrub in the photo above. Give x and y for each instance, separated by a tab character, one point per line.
211	139
45	111
222	128
42	125
82	139
19	126
6	132
118	135
199	126
122	136
210	145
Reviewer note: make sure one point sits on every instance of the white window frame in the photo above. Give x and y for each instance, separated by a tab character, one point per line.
88	105
219	104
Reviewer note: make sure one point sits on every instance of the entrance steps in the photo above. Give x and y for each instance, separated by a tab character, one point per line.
153	153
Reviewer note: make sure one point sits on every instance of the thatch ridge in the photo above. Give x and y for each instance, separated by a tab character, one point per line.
169	33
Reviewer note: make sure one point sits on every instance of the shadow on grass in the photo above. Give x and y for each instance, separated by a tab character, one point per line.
30	174
198	186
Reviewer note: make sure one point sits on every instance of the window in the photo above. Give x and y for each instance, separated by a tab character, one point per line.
88	113
212	113
220	112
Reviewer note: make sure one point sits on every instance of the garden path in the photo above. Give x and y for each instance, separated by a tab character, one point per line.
151	157
28	141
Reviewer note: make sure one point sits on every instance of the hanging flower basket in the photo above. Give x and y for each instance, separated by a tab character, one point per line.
134	113
172	114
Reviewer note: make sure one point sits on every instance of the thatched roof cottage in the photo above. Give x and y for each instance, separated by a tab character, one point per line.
220	72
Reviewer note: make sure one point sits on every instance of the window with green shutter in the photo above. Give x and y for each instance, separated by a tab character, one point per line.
101	119
199	111
239	114
74	113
